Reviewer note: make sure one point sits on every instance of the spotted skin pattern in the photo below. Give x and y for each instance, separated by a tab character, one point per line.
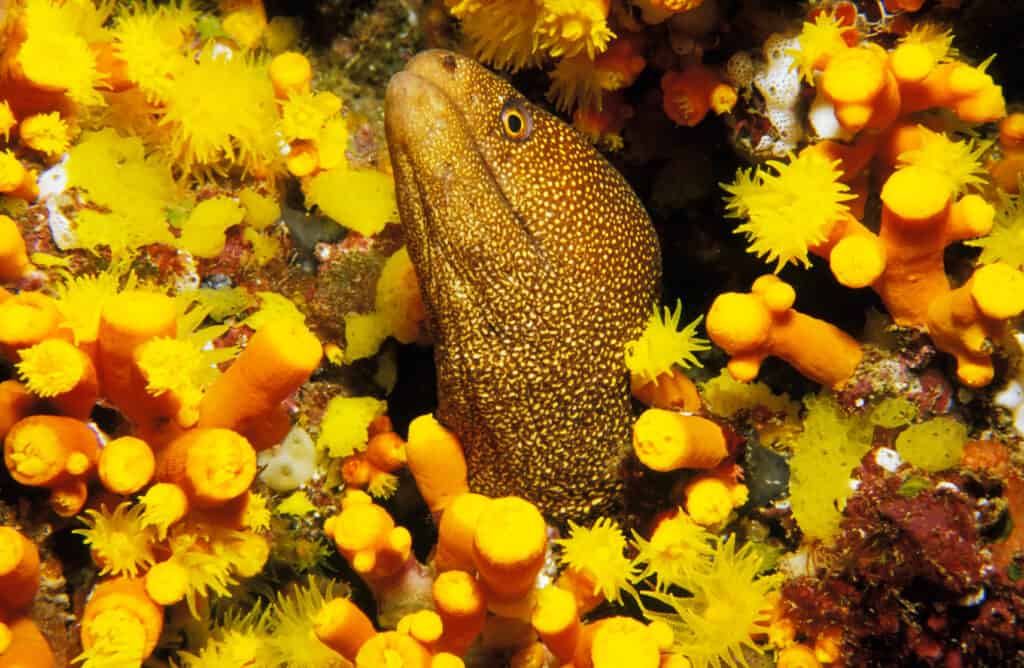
537	264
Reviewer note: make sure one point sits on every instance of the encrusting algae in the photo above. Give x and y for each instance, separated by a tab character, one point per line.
226	249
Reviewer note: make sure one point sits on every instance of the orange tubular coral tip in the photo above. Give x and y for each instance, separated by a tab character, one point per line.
167	582
14	261
436	461
968	91
797	656
343	627
752	326
508	549
964	322
425	626
386	451
366	535
291	74
126	465
687	94
22	645
26	319
392	649
918	222
121	612
865	93
672	389
711	498
911	62
446	660
277	360
666	441
16	403
19	570
618	641
556	620
460	602
212	466
128	320
61	373
456	531
49	450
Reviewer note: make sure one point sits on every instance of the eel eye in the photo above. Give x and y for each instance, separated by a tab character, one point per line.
516	122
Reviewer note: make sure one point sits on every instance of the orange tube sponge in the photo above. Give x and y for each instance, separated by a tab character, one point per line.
620	641
508	549
964	322
343	627
121	620
750	327
667	441
460	602
456	531
968	91
1006	171
61	373
23	645
919	220
425	626
291	73
167	582
49	450
366	535
386	451
212	466
556	620
126	465
14	261
392	648
128	320
19	570
436	462
864	92
16	402
277	360
26	319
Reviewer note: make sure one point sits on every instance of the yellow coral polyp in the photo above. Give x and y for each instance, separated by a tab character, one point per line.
819	41
46	133
662	345
598	553
956	165
120	542
60	32
201	114
571	27
51	367
151	54
790	210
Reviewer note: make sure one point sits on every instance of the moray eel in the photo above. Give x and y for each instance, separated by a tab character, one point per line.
537	263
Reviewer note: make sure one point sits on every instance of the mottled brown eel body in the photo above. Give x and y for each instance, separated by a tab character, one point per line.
537	264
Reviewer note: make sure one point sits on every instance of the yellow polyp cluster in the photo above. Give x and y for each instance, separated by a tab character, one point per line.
345	425
955	166
788	211
675	551
819	41
1005	243
662	346
51	368
729	606
46	133
149	42
121	544
597	553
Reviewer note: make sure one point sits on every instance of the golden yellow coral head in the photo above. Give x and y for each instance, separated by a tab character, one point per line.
120	543
569	27
790	210
52	367
598	552
662	345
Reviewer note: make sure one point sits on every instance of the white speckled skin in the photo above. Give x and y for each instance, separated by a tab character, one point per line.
537	264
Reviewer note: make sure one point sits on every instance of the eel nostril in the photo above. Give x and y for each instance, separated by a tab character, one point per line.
448	61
